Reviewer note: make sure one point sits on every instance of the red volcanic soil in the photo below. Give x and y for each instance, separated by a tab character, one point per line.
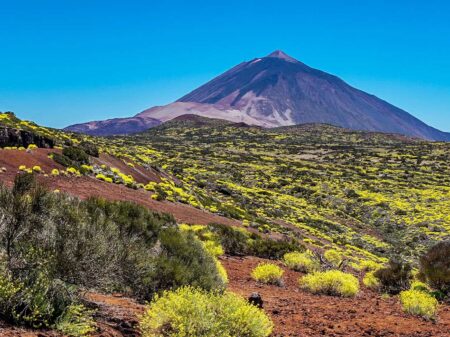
295	313
12	159
298	313
139	173
115	315
84	187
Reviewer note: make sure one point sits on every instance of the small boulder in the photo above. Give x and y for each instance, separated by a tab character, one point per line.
256	300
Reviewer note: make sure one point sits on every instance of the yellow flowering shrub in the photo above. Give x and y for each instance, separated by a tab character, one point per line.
87	168
333	257
371	281
213	248
222	271
268	273
7	289
104	178
420	286
188	312
419	303
55	172
302	262
332	282
32	147
73	171
369	265
115	170
151	186
37	169
77	321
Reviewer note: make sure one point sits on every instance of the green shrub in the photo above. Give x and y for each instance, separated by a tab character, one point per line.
272	249
62	160
235	241
332	282
239	241
268	273
395	277
210	244
419	303
50	240
34	299
190	312
184	261
89	148
435	267
302	262
76	154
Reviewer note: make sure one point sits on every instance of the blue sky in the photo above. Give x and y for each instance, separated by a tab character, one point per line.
69	61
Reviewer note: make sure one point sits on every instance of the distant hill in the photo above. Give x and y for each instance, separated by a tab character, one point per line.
277	90
116	126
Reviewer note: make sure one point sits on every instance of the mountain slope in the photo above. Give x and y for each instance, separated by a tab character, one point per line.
283	91
277	90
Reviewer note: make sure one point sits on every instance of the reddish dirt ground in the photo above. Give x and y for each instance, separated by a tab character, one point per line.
116	316
298	313
139	173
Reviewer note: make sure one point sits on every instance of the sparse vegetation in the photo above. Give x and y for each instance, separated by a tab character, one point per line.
361	202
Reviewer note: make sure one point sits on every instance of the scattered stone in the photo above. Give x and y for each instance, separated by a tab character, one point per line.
256	300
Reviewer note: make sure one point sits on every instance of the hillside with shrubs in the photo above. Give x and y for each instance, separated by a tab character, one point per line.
202	227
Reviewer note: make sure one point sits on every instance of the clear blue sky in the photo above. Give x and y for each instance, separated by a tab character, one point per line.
67	61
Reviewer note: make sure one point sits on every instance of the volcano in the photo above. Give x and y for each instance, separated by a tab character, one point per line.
277	90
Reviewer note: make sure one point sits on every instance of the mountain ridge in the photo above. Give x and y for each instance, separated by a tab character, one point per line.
278	90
